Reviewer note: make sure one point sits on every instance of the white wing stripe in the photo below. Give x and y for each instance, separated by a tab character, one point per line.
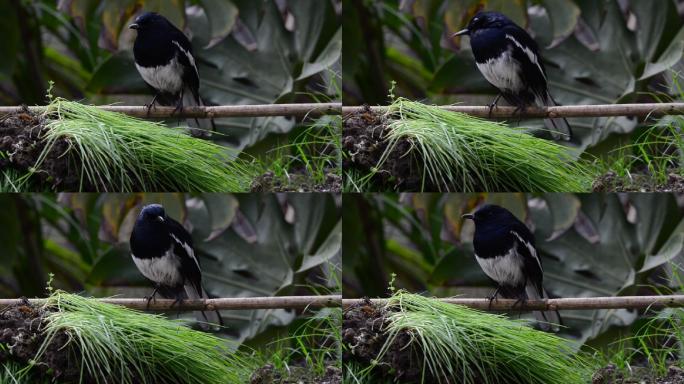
188	55
188	250
529	246
533	58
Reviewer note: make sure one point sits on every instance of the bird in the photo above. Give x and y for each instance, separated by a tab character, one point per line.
508	57
505	250
164	253
164	58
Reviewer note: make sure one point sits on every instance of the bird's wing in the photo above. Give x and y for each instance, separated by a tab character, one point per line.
532	266
183	248
526	52
187	60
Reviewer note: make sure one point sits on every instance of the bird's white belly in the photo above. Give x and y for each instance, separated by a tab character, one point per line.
506	269
167	78
502	72
163	270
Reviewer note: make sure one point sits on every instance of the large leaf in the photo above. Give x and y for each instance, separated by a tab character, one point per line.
235	267
576	267
589	245
592	55
245	55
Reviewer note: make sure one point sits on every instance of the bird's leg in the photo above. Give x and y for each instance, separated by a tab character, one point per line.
519	110
493	104
151	104
151	297
179	104
521	301
492	297
179	301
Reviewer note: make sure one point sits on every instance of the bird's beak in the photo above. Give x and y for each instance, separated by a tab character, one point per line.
160	219
134	26
468	216
461	32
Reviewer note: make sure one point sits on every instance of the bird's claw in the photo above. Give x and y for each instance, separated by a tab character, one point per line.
520	302
491	107
148	299
151	105
490	298
179	109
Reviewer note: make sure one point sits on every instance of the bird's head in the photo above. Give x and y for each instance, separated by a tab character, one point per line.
490	213
484	20
153	213
148	20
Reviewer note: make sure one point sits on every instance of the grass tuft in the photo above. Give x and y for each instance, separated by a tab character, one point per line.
473	154
122	153
126	346
649	161
316	150
479	347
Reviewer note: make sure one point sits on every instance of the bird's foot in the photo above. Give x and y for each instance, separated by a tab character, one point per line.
148	299
519	110
151	298
179	108
178	302
520	302
151	105
493	105
491	298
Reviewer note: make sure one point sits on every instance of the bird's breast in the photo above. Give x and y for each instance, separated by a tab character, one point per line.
164	270
506	269
166	77
502	72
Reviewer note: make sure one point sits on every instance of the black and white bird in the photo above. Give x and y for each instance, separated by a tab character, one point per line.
163	56
163	252
505	250
509	59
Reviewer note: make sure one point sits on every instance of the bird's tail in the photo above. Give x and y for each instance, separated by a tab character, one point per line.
198	127
207	319
558	127
547	320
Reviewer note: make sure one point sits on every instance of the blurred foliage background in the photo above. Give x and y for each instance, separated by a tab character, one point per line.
595	52
247	52
589	244
248	245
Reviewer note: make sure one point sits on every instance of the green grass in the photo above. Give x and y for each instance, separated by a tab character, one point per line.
655	153
316	150
13	373
654	346
474	154
479	347
12	181
122	153
116	343
316	343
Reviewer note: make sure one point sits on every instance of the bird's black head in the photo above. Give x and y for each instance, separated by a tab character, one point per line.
147	21
152	213
490	213
484	20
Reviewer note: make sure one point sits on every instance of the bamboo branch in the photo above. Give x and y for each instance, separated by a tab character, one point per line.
647	109
232	303
303	109
575	303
